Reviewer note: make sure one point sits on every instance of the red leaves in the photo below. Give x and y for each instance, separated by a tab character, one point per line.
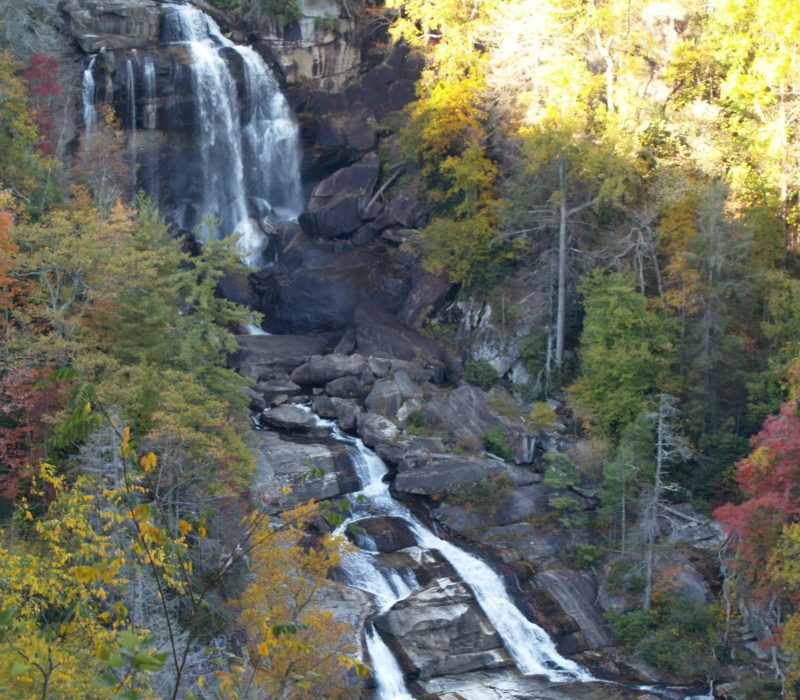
22	405
44	93
770	478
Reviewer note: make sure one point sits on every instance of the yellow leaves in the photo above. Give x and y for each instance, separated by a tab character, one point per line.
184	527
263	649
125	448
148	461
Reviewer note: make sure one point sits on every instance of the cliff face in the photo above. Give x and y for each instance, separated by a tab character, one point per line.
345	271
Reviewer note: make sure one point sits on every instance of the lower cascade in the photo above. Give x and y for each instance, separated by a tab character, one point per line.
529	645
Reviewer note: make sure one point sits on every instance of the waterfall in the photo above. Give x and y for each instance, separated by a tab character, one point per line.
248	141
390	678
529	645
89	111
149	122
130	89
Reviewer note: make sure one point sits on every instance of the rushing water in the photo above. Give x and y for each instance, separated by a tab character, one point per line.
245	165
248	140
529	645
130	89
89	111
149	122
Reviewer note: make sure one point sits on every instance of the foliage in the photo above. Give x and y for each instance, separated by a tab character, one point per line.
496	442
63	628
587	556
485	496
624	354
481	374
417	424
675	637
281	12
542	415
296	650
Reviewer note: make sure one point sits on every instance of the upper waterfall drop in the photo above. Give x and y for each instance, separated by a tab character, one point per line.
248	140
211	133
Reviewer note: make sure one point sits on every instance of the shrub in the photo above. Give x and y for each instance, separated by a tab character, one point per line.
630	628
542	415
485	496
481	374
561	472
495	441
586	556
417	424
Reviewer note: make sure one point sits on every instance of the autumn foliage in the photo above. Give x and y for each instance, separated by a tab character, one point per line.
770	480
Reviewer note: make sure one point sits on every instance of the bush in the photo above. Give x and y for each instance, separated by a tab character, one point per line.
630	628
417	424
586	556
542	415
676	636
623	577
485	496
481	374
495	441
561	472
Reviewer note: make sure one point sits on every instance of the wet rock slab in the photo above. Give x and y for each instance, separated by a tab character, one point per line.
440	630
315	470
509	685
261	356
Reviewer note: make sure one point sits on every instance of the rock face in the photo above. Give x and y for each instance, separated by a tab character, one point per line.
338	203
309	469
263	356
440	630
108	25
575	593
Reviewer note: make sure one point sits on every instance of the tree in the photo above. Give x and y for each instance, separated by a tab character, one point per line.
574	173
296	649
624	353
626	475
668	446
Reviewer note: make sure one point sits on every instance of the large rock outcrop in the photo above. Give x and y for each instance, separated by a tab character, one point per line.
440	630
290	472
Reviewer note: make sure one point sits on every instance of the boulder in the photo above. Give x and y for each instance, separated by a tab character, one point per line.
375	429
407	386
346	388
322	369
348	413
385	398
383	534
440	629
277	387
428	476
425	565
522	503
317	470
324	406
337	203
263	356
379	332
507	684
289	418
463	413
319	287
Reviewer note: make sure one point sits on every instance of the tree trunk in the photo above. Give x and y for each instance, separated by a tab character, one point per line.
562	263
